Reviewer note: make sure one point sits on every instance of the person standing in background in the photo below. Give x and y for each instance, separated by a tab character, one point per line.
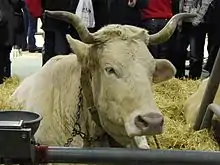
155	16
56	30
9	24
193	32
100	9
125	11
20	36
34	11
55	41
212	17
24	45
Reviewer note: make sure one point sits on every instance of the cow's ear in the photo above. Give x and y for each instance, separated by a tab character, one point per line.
164	70
78	47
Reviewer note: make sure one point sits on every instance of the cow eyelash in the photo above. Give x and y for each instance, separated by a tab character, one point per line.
110	70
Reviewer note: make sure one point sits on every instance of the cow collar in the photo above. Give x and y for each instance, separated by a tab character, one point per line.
85	82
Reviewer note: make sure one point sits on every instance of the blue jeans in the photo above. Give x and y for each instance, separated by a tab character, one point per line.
32	29
160	50
195	37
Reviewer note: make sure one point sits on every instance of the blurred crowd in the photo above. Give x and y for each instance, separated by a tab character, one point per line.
18	26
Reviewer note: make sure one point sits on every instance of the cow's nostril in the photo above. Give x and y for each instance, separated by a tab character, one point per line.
150	122
140	122
162	122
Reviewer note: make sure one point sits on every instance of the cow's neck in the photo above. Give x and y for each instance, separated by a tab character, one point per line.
105	140
91	126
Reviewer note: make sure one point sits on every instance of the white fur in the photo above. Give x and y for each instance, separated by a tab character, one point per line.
119	97
192	104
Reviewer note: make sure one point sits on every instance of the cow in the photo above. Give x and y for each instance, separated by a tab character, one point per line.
192	105
103	87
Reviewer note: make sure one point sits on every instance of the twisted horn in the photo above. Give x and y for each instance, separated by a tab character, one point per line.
164	34
74	20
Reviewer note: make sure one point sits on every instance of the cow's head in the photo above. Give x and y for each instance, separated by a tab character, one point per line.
122	71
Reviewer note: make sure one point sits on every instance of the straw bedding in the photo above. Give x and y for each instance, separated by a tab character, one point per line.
6	89
170	97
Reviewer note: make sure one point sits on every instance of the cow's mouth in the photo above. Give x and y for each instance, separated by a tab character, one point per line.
147	124
136	142
125	141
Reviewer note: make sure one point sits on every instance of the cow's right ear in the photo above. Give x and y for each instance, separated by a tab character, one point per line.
78	47
164	71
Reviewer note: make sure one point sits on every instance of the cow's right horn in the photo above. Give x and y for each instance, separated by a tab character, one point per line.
164	34
74	20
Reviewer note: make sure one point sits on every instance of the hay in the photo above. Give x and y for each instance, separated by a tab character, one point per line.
6	89
170	97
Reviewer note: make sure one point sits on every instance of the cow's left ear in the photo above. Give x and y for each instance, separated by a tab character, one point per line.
164	70
78	47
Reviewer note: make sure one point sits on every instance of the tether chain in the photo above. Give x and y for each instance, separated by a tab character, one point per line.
156	142
77	128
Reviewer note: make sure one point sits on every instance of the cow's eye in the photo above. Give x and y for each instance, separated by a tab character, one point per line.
110	71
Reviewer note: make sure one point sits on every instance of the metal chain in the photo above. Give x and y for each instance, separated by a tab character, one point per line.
77	128
156	142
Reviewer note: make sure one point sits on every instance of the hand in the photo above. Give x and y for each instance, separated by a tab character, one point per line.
132	3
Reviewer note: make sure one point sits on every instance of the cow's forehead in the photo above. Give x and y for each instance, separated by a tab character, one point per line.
123	32
125	52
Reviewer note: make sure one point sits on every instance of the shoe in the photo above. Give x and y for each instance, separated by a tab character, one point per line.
36	49
24	49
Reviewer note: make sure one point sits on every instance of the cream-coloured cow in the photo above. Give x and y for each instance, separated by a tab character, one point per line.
192	104
115	70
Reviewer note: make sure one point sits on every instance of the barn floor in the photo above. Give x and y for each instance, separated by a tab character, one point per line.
26	63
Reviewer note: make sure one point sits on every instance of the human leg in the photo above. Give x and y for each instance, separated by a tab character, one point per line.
179	49
32	29
213	46
151	26
197	43
49	46
5	63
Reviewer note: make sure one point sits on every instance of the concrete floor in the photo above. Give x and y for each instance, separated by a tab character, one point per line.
27	63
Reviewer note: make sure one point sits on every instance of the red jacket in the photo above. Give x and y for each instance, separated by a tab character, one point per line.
34	7
161	9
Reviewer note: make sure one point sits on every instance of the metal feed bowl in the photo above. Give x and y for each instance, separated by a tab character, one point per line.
30	119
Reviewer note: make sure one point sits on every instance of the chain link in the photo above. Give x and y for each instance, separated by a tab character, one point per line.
77	128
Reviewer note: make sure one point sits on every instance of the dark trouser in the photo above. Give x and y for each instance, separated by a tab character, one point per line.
5	63
55	43
20	32
32	29
26	23
197	51
160	51
213	46
195	37
180	49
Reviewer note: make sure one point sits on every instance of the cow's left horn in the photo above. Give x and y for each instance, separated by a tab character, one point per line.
164	34
74	20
